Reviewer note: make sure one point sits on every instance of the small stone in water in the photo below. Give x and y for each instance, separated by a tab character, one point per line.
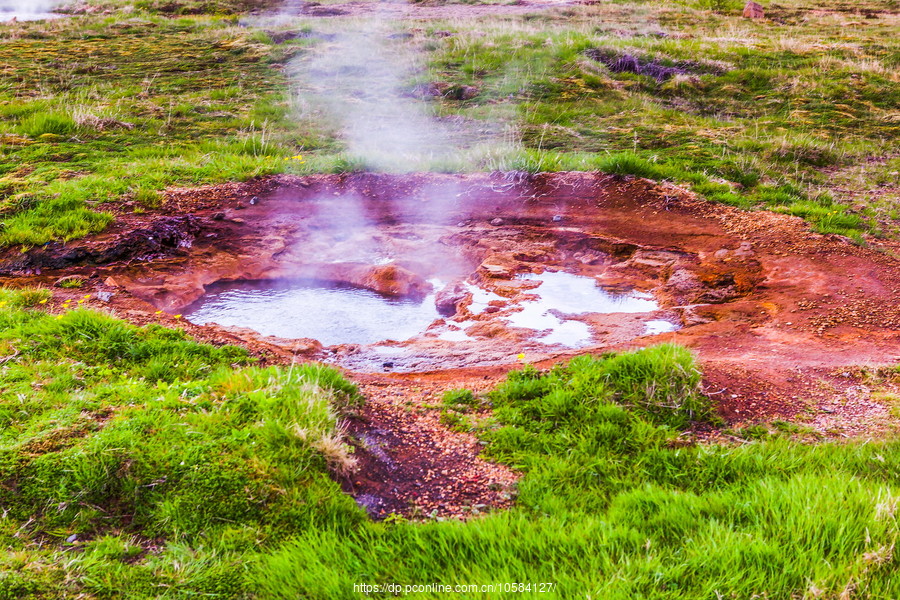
497	222
557	218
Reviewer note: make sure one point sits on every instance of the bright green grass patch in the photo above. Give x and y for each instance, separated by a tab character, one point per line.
178	468
612	506
114	435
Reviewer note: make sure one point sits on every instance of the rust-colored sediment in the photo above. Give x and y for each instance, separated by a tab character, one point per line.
782	319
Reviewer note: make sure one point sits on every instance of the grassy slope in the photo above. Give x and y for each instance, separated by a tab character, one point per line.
787	113
770	110
117	441
180	471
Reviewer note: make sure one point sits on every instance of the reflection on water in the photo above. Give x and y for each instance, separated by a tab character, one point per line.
348	315
330	314
561	294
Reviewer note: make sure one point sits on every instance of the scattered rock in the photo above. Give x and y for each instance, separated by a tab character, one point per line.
753	10
653	258
461	92
296	346
500	266
684	285
448	299
497	222
440	89
694	315
393	280
105	296
719	295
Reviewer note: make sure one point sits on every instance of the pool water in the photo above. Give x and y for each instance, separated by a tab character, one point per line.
328	313
560	294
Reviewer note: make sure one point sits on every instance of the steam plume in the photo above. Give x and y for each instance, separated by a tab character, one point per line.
359	78
27	7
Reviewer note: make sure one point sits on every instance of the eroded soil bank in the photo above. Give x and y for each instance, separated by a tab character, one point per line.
787	323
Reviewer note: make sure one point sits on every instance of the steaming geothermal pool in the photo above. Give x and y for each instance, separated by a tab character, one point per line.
335	314
328	313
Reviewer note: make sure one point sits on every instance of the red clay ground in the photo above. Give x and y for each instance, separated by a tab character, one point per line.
787	324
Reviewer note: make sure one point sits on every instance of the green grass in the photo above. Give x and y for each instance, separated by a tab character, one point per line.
100	110
613	505
771	106
136	463
104	109
135	438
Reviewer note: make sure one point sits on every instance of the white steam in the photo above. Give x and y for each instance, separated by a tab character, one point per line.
360	80
27	7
